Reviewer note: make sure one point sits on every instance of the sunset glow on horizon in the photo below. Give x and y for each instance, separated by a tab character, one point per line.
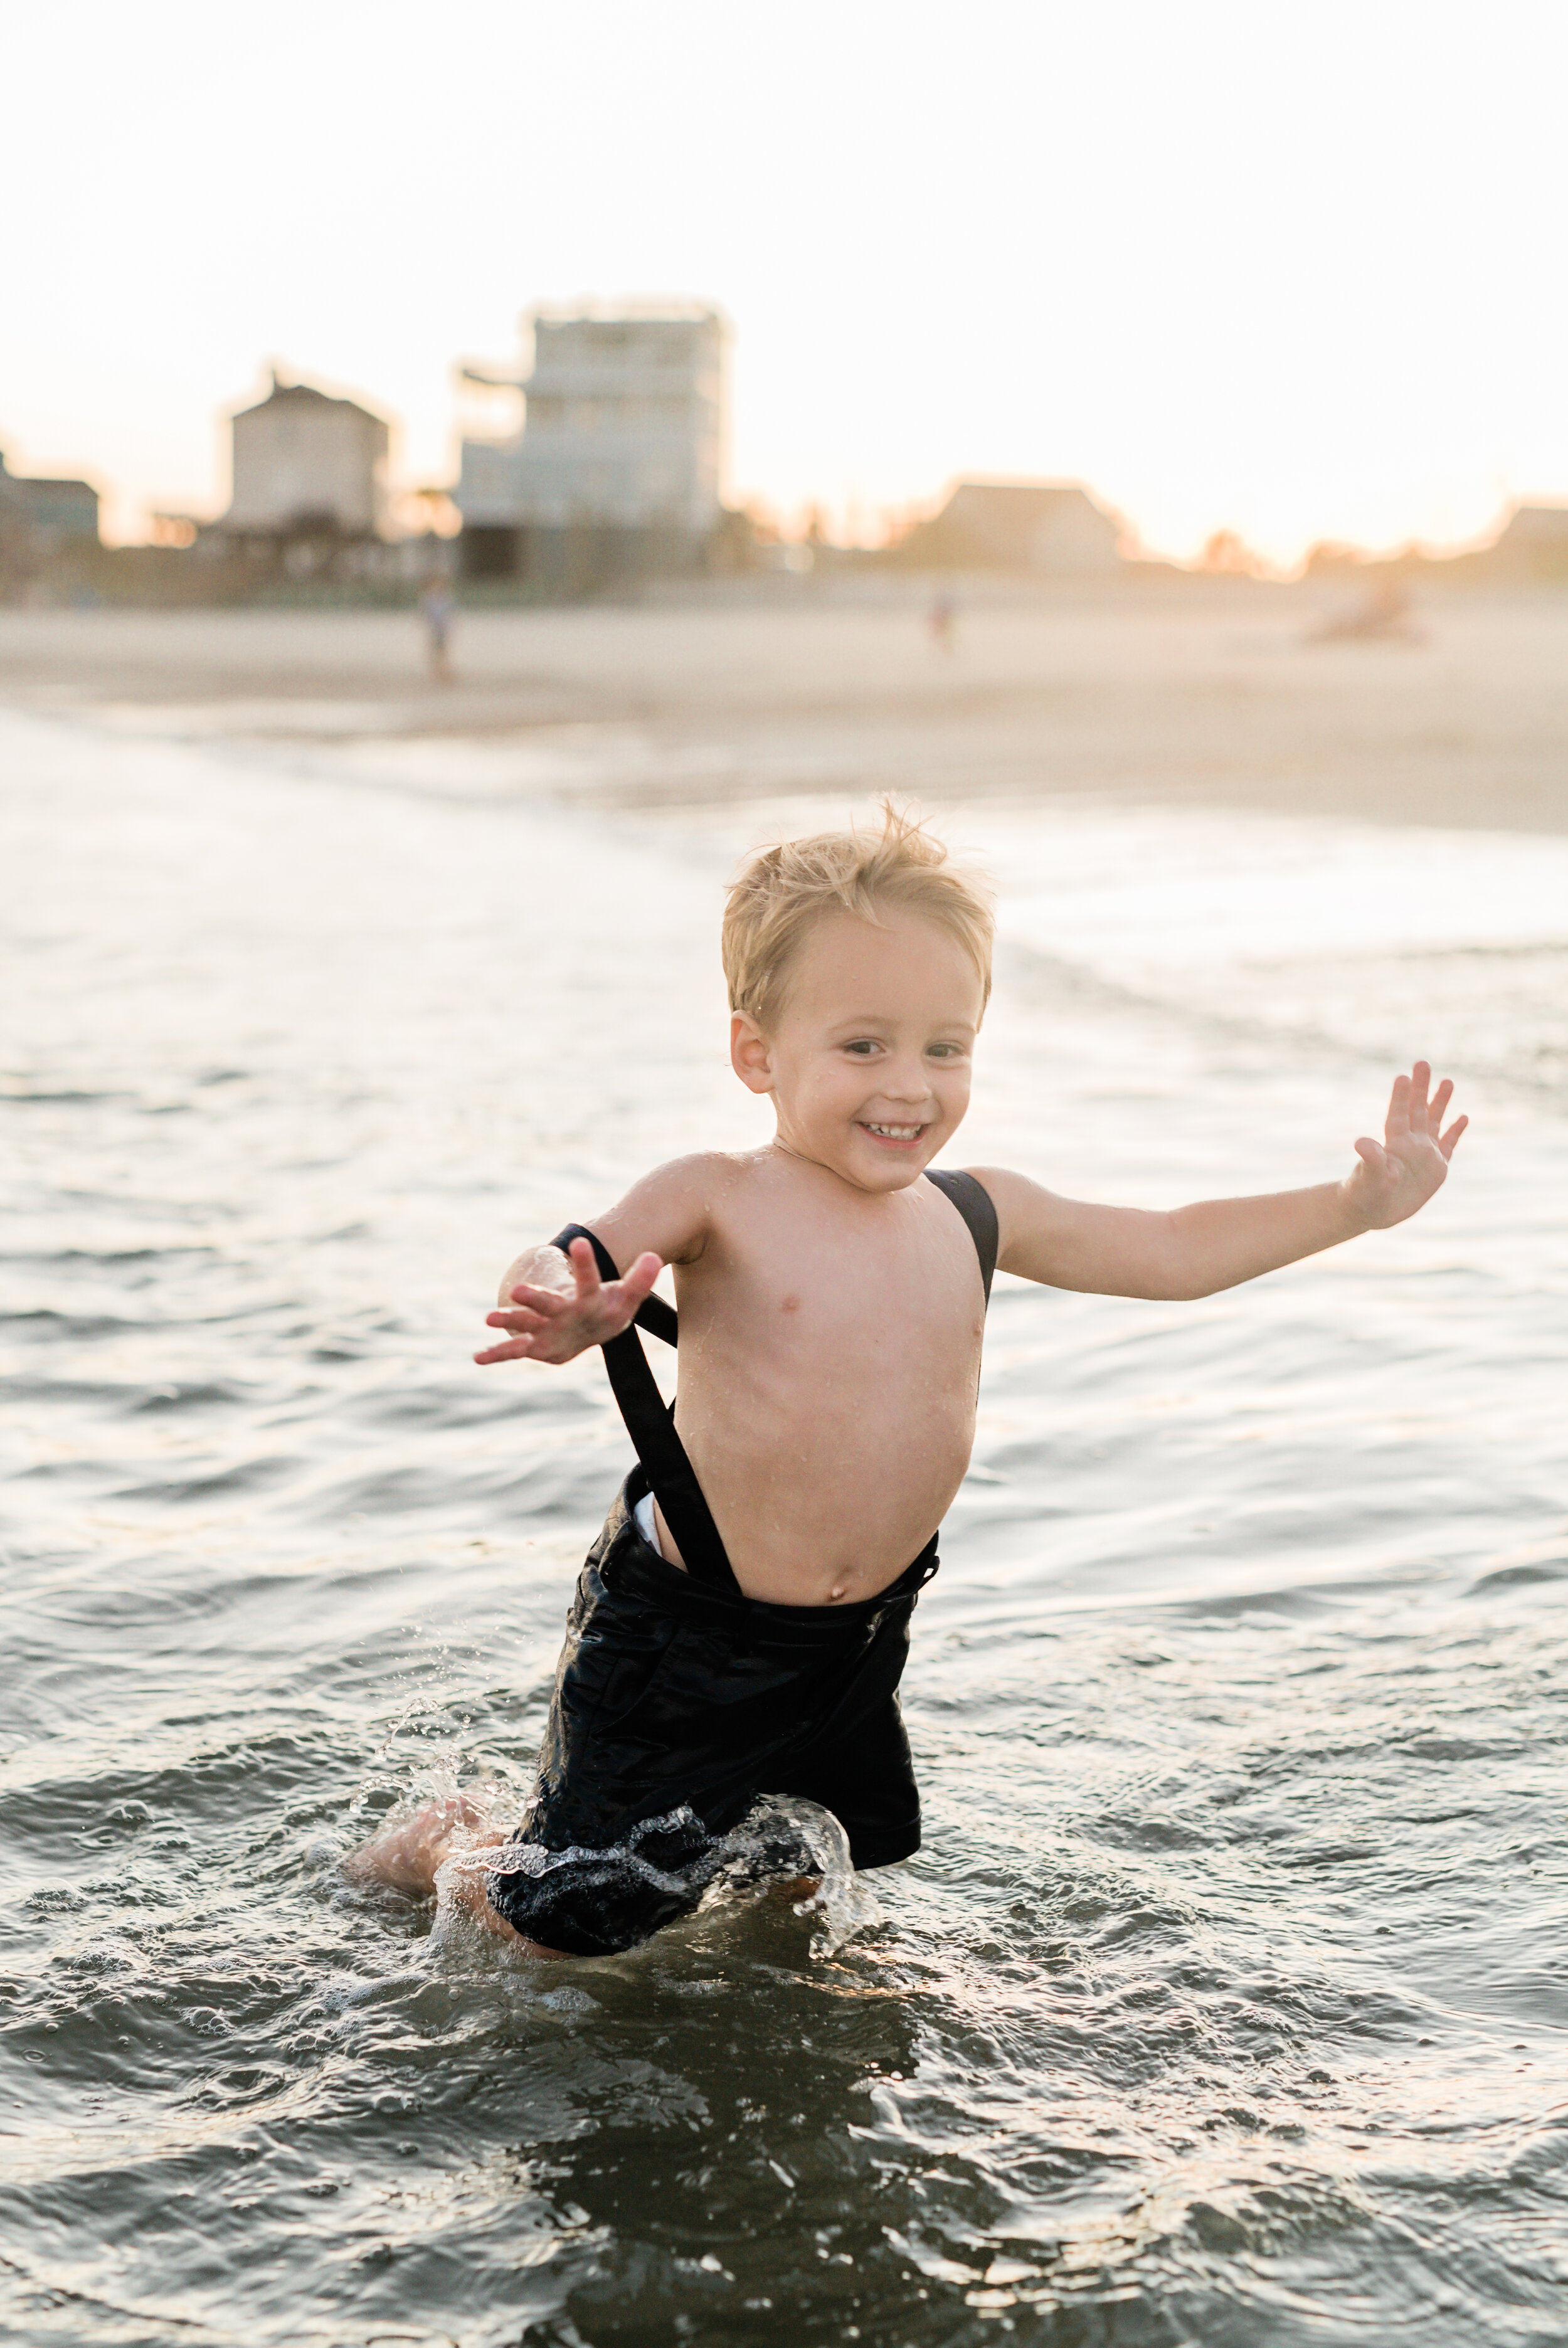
1292	275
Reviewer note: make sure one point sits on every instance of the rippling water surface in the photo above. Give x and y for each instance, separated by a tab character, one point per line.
1228	2001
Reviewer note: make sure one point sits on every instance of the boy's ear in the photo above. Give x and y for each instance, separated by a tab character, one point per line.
750	1054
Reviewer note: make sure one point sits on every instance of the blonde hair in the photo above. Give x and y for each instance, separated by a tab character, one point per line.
785	889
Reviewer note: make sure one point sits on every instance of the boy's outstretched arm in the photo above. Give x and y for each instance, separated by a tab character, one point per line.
553	1307
1125	1251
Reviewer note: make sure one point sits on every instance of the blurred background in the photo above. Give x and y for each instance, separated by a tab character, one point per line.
468	479
1232	332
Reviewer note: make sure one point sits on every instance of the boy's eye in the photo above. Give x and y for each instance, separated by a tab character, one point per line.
862	1046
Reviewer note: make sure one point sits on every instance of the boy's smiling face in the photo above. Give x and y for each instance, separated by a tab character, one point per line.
870	1055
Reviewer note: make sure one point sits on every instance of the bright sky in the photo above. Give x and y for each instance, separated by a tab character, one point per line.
1293	271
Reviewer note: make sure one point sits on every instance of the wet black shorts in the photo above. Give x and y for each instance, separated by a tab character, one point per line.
677	1706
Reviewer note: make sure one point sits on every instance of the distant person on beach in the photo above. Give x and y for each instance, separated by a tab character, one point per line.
1382	616
436	608
741	1625
942	618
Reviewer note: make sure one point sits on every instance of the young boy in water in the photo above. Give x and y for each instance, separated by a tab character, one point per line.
741	1624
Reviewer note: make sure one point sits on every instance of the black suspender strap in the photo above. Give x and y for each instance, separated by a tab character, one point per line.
974	1203
671	1477
649	1419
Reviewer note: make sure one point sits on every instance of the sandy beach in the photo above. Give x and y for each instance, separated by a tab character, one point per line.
1201	692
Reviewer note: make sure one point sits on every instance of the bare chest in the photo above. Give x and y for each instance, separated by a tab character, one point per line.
827	1314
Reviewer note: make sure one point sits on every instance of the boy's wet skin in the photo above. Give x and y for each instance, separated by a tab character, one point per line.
832	1311
832	1305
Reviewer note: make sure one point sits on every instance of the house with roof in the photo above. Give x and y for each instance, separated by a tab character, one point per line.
55	511
308	466
41	517
1047	529
1533	543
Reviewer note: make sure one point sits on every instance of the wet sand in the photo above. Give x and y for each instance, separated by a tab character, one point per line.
1196	692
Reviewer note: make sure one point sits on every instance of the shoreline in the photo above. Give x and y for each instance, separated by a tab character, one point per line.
1206	698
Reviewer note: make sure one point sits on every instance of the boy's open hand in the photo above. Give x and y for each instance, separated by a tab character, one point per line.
1399	1174
547	1326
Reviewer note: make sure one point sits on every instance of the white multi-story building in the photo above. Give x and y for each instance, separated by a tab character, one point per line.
623	431
306	463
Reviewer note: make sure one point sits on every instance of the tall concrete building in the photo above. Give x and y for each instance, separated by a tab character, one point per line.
616	469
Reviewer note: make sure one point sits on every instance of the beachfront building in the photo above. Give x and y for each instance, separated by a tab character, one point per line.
309	471
1533	543
52	513
1050	529
58	512
42	518
616	471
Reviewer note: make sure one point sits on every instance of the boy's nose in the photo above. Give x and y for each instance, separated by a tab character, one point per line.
907	1081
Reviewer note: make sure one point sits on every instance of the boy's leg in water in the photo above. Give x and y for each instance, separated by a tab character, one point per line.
406	1857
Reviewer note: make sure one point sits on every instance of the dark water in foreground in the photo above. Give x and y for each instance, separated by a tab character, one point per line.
1228	2001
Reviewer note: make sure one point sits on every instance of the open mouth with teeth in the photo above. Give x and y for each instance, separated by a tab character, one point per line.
898	1134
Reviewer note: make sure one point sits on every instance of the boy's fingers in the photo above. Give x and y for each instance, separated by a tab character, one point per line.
1420	1077
1398	1106
1441	1100
627	1296
1446	1144
533	1319
580	1257
1376	1156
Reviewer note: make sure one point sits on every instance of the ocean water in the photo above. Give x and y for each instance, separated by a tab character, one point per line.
1228	2000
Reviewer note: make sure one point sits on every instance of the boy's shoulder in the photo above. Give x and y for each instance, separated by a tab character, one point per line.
700	1173
672	1208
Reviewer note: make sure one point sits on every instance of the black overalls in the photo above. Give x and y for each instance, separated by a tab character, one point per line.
679	1701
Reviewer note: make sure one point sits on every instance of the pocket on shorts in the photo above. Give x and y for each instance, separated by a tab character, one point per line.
626	1695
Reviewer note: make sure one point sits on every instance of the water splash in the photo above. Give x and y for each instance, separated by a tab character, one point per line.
783	1837
783	1842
